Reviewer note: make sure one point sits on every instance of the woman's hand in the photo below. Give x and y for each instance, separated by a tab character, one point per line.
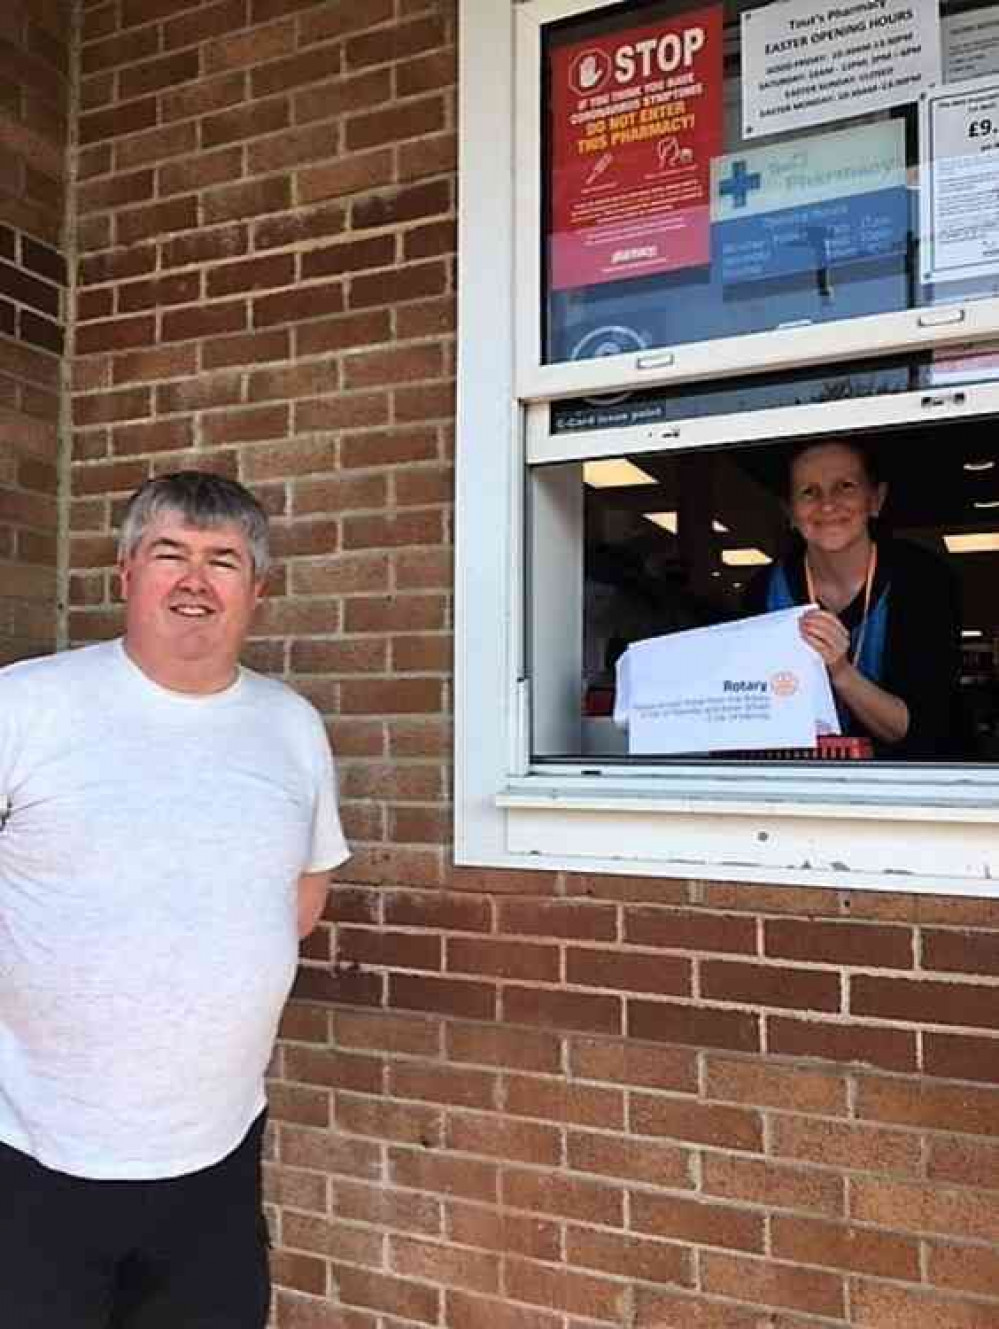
827	635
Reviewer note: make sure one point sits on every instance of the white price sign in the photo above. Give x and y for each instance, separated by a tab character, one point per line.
959	197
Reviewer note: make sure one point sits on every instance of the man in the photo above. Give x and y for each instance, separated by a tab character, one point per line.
168	823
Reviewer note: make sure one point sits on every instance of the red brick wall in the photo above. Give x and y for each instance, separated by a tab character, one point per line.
512	1100
34	100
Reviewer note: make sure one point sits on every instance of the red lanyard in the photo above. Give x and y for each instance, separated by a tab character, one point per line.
872	565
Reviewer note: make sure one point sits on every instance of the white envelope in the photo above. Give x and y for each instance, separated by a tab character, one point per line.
750	684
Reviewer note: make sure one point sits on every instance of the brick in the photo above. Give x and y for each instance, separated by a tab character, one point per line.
339	657
410	281
155	363
684	1119
254	46
770	985
376	1289
26	289
871	1045
401	950
667	1310
117	121
405	204
177	214
205	246
546	1192
490	1228
499	1137
961	952
359	92
487	1045
561	1010
667	1166
252	348
291	148
700	1223
156	145
393	529
422	654
557	919
763	1084
443	1174
121	49
773	1186
320	1151
116	335
159	436
474	1001
395	43
116	191
341	574
351	174
958	1058
501	959
456	1086
207	20
137	80
294	72
700	1025
851	1147
302	1272
350	256
385	1208
465	1311
295	1188
202	98
563	1289
383	1031
925	1002
393	447
301	302
233	202
325	24
251	275
203	321
199	392
619	1062
407	1123
177	289
303	1107
426	73
768	1283
408	364
429	241
877	1306
851	944
913	1207
344	330
448	1265
556	1100
628	971
841	1246
964	1268
117	265
214	168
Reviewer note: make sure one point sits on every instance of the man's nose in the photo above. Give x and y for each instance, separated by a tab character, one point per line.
195	574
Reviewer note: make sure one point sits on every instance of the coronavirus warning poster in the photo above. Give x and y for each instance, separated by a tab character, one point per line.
635	118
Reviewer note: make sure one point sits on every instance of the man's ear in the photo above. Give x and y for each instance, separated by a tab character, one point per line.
123	579
880	494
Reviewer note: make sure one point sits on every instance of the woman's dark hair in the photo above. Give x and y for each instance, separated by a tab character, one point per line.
864	453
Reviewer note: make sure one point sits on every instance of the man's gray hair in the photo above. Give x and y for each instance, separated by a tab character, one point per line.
202	500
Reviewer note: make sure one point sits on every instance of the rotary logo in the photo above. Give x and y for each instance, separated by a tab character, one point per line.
784	683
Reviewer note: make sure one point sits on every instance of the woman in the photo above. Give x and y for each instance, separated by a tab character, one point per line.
887	622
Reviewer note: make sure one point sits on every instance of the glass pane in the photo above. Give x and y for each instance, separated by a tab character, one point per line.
674	540
702	183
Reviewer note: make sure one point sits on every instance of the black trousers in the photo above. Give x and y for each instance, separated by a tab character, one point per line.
184	1253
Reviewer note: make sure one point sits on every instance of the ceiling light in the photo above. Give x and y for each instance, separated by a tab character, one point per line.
720	527
667	520
979	465
745	558
988	503
981	542
615	473
971	632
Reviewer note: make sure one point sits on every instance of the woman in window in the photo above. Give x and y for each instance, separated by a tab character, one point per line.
887	626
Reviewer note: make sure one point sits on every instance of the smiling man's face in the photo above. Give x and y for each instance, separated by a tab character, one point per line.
189	601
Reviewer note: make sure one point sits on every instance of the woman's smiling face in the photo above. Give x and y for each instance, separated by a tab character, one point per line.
833	497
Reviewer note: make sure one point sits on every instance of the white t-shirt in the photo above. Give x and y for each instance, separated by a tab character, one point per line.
150	848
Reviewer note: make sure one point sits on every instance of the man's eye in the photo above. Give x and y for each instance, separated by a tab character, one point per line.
166	557
226	563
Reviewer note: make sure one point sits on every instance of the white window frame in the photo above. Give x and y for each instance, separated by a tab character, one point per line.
913	828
